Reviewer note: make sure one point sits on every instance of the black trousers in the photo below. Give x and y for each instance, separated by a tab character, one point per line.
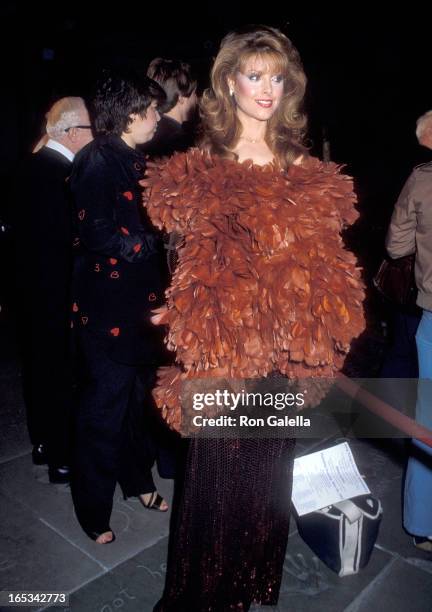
115	435
47	380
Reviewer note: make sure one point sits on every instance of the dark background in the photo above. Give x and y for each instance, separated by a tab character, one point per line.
369	77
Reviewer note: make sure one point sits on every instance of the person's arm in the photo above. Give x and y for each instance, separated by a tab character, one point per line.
96	203
400	240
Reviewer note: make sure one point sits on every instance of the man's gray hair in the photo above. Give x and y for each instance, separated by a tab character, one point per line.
64	114
423	123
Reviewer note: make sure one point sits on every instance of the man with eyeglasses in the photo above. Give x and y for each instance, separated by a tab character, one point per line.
44	239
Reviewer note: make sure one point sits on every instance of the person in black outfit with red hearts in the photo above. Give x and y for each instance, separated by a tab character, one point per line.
120	276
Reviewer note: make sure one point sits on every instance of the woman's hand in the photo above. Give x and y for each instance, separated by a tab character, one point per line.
159	315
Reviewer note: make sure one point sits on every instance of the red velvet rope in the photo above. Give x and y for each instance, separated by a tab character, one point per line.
384	410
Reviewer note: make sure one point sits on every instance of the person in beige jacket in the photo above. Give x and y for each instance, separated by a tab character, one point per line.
410	231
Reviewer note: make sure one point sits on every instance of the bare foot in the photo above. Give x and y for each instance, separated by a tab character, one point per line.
105	537
153	501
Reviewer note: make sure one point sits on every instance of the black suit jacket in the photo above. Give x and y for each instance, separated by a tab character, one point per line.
43	236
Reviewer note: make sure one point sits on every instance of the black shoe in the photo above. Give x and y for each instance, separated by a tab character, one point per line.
39	454
59	475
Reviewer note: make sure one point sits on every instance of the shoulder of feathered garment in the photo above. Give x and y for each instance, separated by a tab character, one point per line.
264	282
194	184
196	161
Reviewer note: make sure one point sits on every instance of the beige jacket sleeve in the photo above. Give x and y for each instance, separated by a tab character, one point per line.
401	235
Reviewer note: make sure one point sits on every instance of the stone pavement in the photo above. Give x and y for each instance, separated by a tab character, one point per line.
42	547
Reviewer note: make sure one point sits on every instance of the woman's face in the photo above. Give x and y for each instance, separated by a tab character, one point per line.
258	89
142	128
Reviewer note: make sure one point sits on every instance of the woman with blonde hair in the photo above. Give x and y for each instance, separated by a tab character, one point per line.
263	287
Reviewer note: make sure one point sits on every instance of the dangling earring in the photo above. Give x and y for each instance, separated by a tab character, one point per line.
231	91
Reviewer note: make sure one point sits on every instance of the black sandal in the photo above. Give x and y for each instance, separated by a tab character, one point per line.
93	535
154	503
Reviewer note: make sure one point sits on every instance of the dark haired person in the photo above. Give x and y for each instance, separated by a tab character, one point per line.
119	278
174	132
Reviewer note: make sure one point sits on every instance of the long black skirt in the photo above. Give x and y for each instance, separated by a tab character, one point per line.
228	544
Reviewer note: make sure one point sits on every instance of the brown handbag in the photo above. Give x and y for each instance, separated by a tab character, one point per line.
395	280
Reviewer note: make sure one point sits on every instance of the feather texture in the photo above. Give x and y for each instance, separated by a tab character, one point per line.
263	281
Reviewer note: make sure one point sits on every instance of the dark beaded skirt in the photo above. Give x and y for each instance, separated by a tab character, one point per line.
228	545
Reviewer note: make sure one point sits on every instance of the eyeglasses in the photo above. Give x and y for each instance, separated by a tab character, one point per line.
81	127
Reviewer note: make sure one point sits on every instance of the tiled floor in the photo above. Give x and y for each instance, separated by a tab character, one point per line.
43	548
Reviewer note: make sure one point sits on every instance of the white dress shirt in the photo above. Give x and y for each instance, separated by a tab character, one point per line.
56	146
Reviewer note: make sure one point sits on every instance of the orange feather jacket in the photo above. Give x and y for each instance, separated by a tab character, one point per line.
263	281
